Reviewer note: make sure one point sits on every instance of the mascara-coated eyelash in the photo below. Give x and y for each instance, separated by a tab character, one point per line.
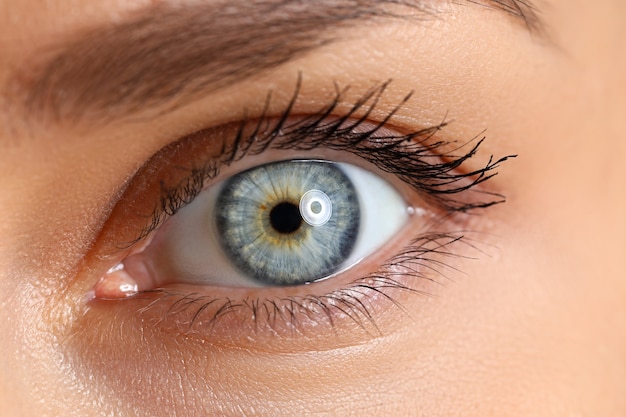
411	157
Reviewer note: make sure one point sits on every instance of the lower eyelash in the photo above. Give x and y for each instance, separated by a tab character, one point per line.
412	270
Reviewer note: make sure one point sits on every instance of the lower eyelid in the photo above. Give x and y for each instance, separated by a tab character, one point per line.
352	309
267	324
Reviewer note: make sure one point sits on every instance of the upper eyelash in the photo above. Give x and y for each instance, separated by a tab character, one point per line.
405	155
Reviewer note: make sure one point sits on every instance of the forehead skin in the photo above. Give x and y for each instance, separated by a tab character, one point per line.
533	327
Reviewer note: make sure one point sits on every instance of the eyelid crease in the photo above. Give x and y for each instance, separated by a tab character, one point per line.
412	157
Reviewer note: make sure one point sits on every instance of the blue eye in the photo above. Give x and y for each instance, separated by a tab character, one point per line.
269	224
283	223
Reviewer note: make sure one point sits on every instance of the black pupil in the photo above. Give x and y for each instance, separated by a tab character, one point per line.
285	218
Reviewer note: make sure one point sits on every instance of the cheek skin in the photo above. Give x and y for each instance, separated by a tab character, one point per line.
52	203
227	382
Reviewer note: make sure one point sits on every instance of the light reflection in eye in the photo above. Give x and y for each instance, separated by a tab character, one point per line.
315	207
249	230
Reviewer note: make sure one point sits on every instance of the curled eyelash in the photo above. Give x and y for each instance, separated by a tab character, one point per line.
411	157
420	264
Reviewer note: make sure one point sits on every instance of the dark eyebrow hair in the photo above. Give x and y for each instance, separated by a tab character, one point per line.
165	53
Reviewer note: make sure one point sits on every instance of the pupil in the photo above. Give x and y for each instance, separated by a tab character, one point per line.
285	218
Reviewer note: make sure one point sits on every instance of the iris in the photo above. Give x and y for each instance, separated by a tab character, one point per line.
288	222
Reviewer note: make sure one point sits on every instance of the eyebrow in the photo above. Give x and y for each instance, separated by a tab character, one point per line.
165	54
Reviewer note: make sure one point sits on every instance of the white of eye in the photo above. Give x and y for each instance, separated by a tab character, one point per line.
186	249
383	212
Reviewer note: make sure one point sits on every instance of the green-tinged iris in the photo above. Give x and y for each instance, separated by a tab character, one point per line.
289	222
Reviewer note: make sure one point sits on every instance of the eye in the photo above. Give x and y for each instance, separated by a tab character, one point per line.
244	231
283	223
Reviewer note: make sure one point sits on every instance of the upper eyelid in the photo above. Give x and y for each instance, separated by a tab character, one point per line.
389	150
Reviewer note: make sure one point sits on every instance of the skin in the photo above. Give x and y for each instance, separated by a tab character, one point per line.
532	326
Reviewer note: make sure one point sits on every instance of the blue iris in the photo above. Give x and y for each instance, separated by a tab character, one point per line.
261	228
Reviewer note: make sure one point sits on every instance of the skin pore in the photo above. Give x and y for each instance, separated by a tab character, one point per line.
522	315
